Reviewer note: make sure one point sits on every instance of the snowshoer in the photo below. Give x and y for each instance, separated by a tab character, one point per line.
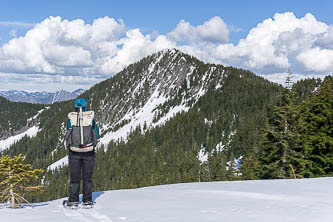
81	139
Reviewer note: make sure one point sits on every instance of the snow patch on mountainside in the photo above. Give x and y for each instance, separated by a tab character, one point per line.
31	132
202	155
5	144
38	113
144	115
60	163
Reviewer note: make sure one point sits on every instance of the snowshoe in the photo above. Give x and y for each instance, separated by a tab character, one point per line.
70	205
88	204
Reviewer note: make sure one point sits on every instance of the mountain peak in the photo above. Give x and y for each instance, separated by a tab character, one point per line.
152	91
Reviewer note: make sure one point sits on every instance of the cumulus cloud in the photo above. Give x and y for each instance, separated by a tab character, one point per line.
60	48
271	43
214	30
317	59
55	44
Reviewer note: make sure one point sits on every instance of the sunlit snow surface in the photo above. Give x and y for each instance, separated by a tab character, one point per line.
239	201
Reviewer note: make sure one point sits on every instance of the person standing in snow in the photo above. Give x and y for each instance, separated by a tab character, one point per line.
81	139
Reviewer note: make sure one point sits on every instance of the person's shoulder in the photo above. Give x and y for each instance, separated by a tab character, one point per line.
70	114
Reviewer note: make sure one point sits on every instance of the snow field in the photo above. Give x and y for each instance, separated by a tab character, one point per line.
302	200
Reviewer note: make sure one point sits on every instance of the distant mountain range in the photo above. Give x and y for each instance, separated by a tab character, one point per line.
40	97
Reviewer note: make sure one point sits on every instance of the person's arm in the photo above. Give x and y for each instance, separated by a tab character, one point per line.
96	129
69	125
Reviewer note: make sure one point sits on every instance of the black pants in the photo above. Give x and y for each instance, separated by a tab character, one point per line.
81	165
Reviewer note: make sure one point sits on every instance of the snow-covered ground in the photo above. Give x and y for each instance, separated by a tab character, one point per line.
238	201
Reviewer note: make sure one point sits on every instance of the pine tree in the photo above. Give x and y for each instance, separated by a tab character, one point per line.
317	130
279	141
297	139
249	167
16	179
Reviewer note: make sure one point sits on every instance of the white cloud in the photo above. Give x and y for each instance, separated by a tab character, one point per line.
272	42
16	24
280	78
56	48
317	59
55	44
49	83
214	30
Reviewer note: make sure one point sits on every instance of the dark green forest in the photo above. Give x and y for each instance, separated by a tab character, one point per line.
297	138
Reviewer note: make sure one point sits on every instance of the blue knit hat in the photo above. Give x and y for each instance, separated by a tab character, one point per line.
80	103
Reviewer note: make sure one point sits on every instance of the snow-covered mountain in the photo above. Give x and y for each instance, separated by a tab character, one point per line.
152	91
146	94
303	200
40	97
149	93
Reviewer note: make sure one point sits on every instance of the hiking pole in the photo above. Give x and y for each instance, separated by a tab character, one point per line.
81	126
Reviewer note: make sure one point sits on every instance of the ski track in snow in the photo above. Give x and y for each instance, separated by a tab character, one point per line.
95	215
86	215
76	215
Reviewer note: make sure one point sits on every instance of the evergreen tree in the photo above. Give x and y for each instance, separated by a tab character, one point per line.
16	180
279	139
249	167
297	139
317	130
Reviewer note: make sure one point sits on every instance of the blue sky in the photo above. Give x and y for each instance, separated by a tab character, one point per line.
151	15
162	23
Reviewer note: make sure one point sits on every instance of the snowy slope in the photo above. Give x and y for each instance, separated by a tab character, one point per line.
30	132
138	106
237	201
